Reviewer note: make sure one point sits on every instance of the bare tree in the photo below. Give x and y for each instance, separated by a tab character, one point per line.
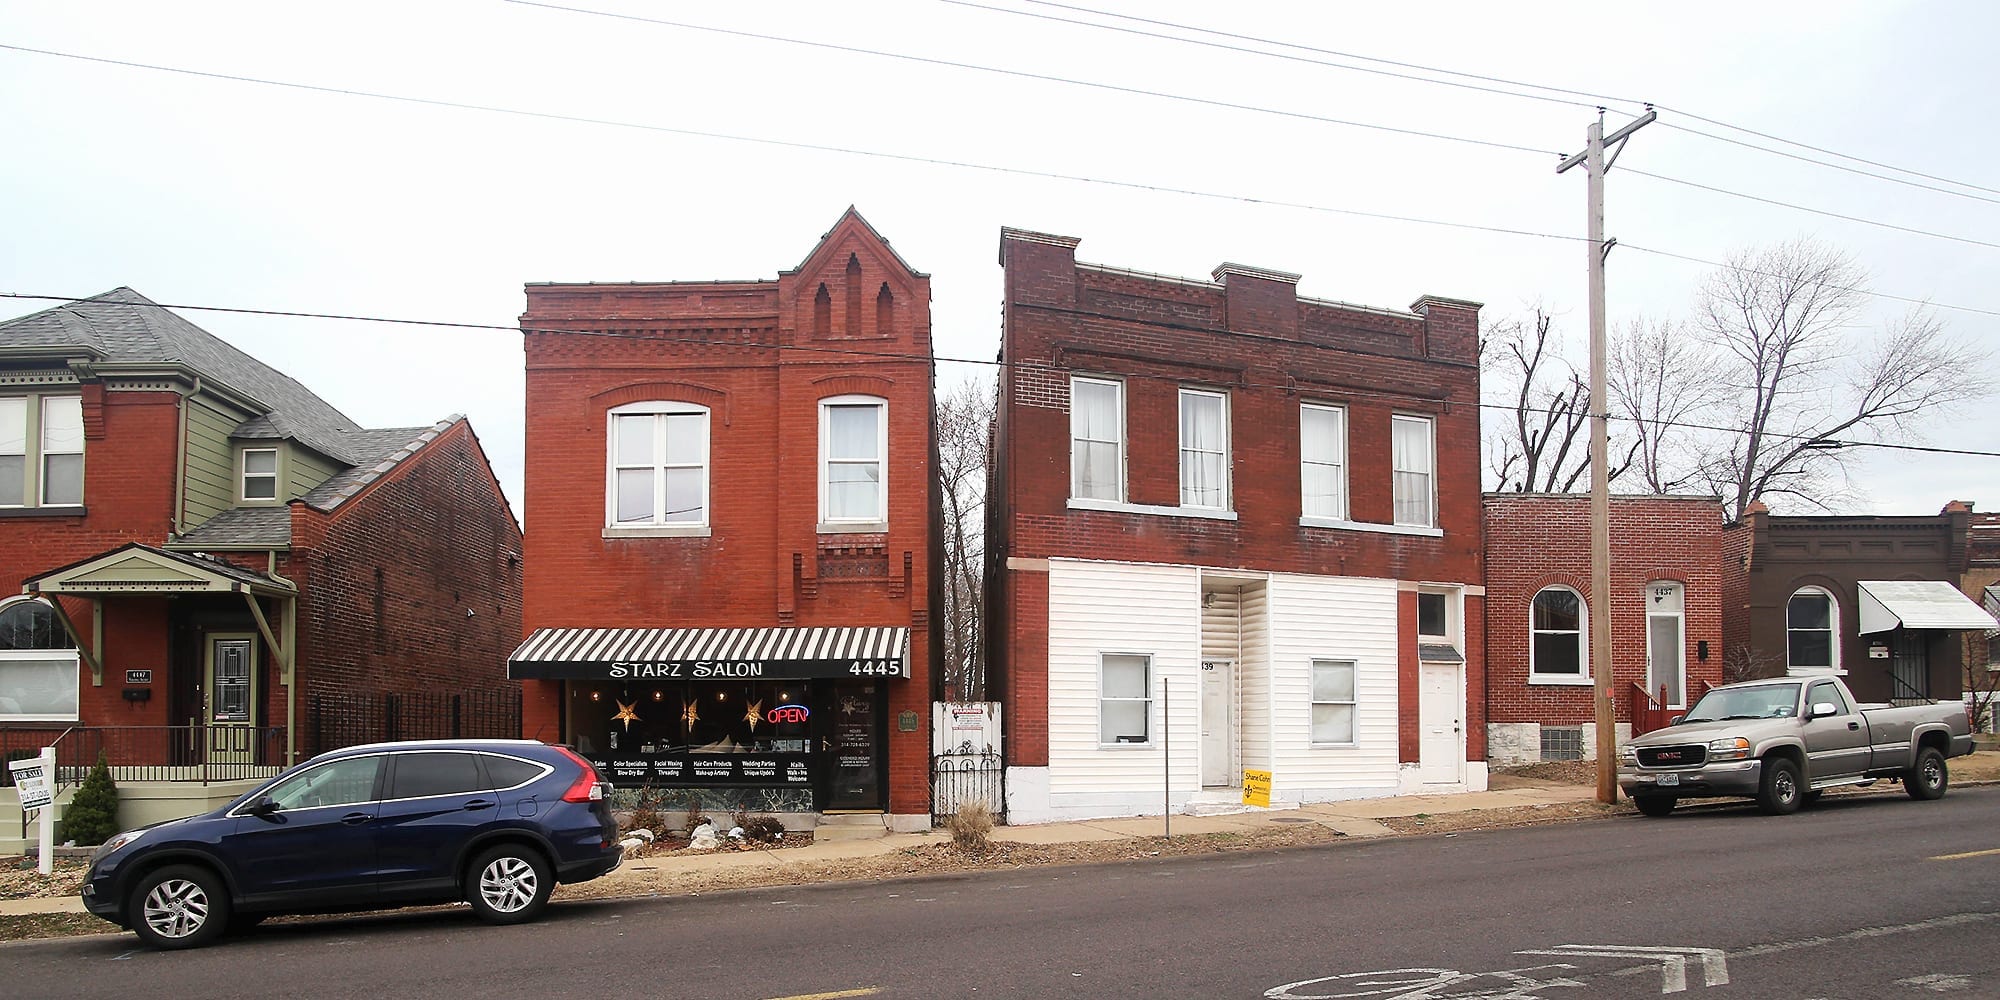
1544	444
1662	376
1799	388
964	429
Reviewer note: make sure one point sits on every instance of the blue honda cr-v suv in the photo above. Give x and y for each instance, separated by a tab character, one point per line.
496	823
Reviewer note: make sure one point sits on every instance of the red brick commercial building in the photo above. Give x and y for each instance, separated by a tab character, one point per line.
1232	520
1667	577
730	540
219	572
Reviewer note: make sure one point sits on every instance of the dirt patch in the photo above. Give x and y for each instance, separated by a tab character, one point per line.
20	880
21	927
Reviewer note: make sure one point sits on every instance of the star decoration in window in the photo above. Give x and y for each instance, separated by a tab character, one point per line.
627	714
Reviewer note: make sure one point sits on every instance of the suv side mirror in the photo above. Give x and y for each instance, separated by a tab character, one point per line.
1822	709
1675	720
262	807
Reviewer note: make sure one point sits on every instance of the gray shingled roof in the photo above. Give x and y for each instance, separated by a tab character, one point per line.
258	526
385	449
124	326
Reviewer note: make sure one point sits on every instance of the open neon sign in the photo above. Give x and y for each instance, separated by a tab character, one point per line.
788	713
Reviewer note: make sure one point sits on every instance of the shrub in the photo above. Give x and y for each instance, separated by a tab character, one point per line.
92	814
695	817
970	827
762	829
645	814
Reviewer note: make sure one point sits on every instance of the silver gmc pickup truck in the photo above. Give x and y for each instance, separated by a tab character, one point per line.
1784	741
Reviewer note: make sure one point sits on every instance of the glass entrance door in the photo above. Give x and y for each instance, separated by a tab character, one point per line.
854	774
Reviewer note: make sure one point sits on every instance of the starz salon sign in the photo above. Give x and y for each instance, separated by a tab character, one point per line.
724	669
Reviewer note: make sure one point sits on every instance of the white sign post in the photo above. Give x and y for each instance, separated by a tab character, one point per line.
34	780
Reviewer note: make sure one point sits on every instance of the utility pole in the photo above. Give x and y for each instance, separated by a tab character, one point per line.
1599	605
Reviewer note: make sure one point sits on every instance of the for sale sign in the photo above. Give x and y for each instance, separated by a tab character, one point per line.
32	780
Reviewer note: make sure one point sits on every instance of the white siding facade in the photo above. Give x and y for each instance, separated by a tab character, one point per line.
1272	626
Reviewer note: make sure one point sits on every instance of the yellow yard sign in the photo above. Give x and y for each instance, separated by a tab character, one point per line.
1257	788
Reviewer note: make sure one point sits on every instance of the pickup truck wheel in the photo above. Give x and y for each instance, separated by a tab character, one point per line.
1781	790
1927	778
1656	805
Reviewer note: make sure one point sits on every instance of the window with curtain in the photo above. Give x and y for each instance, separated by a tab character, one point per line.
1125	698
41	451
659	465
39	676
1333	701
853	447
13	451
1323	461
1809	630
1415	490
1204	449
1096	438
1556	635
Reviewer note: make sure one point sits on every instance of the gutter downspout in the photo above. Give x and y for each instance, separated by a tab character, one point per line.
180	462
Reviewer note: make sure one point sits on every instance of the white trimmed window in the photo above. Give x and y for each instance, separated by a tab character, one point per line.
853	449
1096	439
1323	461
658	466
1414	447
1434	617
260	474
1204	449
1557	648
39	679
1333	701
1124	698
41	451
1812	636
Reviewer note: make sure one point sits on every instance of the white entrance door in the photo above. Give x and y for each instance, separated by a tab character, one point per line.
1441	715
1218	727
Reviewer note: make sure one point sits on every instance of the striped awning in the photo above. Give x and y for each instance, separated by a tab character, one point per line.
711	653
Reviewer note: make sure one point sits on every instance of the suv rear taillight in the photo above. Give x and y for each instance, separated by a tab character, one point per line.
586	787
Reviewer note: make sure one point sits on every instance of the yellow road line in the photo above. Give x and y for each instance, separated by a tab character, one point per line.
1968	854
865	991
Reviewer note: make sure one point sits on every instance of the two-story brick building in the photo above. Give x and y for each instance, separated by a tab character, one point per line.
1667	578
205	551
730	542
1235	523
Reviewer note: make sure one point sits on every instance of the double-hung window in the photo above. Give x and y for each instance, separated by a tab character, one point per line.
1323	461
1413	443
1096	439
1811	617
1125	698
659	465
1333	701
260	473
854	447
1204	449
1558	650
41	451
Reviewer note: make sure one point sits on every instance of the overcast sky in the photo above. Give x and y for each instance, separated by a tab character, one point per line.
204	191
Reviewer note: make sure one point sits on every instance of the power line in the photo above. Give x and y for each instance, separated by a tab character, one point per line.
936	161
1227	105
853	352
1043	77
1814	211
1596	99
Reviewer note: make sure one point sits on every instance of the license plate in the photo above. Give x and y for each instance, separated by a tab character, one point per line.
1669	779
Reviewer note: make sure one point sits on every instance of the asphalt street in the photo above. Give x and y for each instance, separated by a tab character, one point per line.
1872	897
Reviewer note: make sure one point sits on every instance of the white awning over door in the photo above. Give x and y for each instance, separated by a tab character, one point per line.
1889	604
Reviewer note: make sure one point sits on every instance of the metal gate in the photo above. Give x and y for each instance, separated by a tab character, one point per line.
965	774
1909	668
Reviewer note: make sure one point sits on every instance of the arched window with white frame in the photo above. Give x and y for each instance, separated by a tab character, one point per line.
658	466
1812	631
853	462
1558	637
39	680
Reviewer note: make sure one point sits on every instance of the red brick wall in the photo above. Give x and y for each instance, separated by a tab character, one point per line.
1252	337
389	575
753	352
1536	540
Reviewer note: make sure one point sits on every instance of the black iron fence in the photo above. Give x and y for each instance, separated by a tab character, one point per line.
202	754
965	775
344	720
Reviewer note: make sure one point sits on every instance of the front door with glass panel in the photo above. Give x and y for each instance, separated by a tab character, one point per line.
231	710
1666	646
854	782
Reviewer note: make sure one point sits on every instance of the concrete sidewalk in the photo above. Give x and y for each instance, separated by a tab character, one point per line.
1357	818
